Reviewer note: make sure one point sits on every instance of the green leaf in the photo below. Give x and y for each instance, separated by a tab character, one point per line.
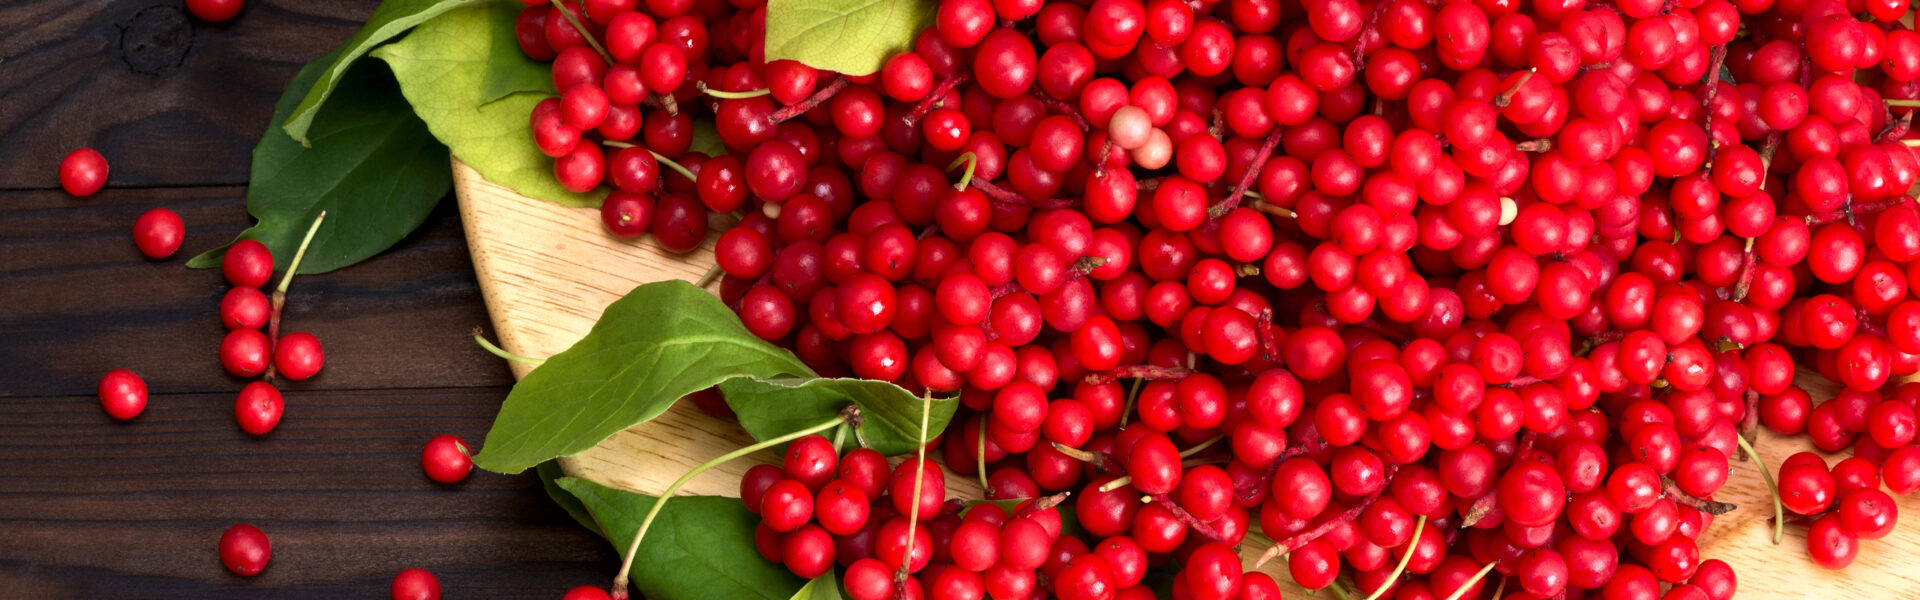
509	70
706	139
890	414
823	587
441	67
372	166
549	473
698	548
854	37
393	18
662	341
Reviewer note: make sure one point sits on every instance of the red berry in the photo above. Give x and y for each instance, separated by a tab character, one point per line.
84	171
258	408
415	584
122	394
298	356
446	459
158	233
248	263
214	10
244	549
245	308
245	352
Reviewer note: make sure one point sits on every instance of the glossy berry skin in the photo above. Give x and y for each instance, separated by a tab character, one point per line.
415	584
158	233
298	356
83	172
446	459
245	352
248	263
215	11
245	308
258	408
586	592
122	394
244	549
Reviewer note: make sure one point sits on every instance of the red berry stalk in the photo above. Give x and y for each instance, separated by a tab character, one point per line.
280	293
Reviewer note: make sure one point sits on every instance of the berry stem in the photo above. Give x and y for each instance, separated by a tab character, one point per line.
1715	58
1101	461
279	300
1747	264
1684	499
1468	584
919	479
1186	518
1151	372
1201	447
980	457
1478	510
1269	348
1534	145
1063	107
1750	423
1848	212
1896	128
713	274
1296	542
702	86
502	353
819	97
1246	179
657	158
1902	103
1272	209
1419	526
847	416
1506	97
1133	395
1123	481
1779	512
562	9
1005	196
936	98
1080	268
966	176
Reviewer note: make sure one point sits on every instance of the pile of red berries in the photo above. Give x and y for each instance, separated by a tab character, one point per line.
1425	290
819	509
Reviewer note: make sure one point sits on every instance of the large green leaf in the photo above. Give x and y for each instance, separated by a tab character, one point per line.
698	548
824	587
509	70
890	415
393	18
855	37
372	166
550	474
441	67
662	341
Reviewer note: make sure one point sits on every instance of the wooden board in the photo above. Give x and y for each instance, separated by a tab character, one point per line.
547	271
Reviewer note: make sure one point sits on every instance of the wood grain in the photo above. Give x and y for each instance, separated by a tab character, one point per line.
96	508
79	299
169	100
546	272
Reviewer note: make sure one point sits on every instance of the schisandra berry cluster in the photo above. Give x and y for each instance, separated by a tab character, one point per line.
1421	289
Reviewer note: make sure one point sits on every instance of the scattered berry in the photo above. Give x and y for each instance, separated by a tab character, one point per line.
244	549
123	394
158	233
446	459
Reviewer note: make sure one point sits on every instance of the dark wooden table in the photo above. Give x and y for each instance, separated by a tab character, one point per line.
93	508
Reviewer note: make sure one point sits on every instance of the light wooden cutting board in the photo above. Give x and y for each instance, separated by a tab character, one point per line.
547	271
